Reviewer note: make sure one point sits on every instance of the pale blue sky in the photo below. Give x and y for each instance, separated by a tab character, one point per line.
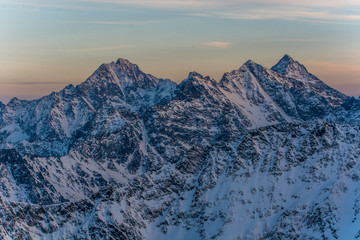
47	44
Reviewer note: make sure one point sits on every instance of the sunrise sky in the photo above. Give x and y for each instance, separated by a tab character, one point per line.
47	44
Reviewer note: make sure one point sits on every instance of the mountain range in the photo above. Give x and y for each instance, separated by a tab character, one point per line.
261	154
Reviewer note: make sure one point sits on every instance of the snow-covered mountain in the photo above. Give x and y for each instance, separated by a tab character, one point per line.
2	107
261	154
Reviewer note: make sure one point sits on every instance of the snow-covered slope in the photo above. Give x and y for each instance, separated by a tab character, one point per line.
262	154
2	107
285	181
301	98
49	125
245	91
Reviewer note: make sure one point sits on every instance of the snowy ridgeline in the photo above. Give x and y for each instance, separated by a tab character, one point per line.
261	154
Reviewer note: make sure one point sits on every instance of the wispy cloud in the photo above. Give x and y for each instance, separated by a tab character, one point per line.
286	13
31	83
217	44
257	9
173	4
64	4
95	49
216	3
302	40
289	40
122	22
311	3
191	3
306	10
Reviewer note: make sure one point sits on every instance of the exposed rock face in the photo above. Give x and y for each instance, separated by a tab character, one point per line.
262	154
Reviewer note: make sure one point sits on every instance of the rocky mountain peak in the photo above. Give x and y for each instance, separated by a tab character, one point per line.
252	67
122	73
296	75
289	67
14	101
196	79
2	107
195	76
238	75
195	86
199	81
126	65
250	63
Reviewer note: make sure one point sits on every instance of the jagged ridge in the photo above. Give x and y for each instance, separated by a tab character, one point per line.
127	154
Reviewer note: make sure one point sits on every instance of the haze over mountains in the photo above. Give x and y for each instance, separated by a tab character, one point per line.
262	154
